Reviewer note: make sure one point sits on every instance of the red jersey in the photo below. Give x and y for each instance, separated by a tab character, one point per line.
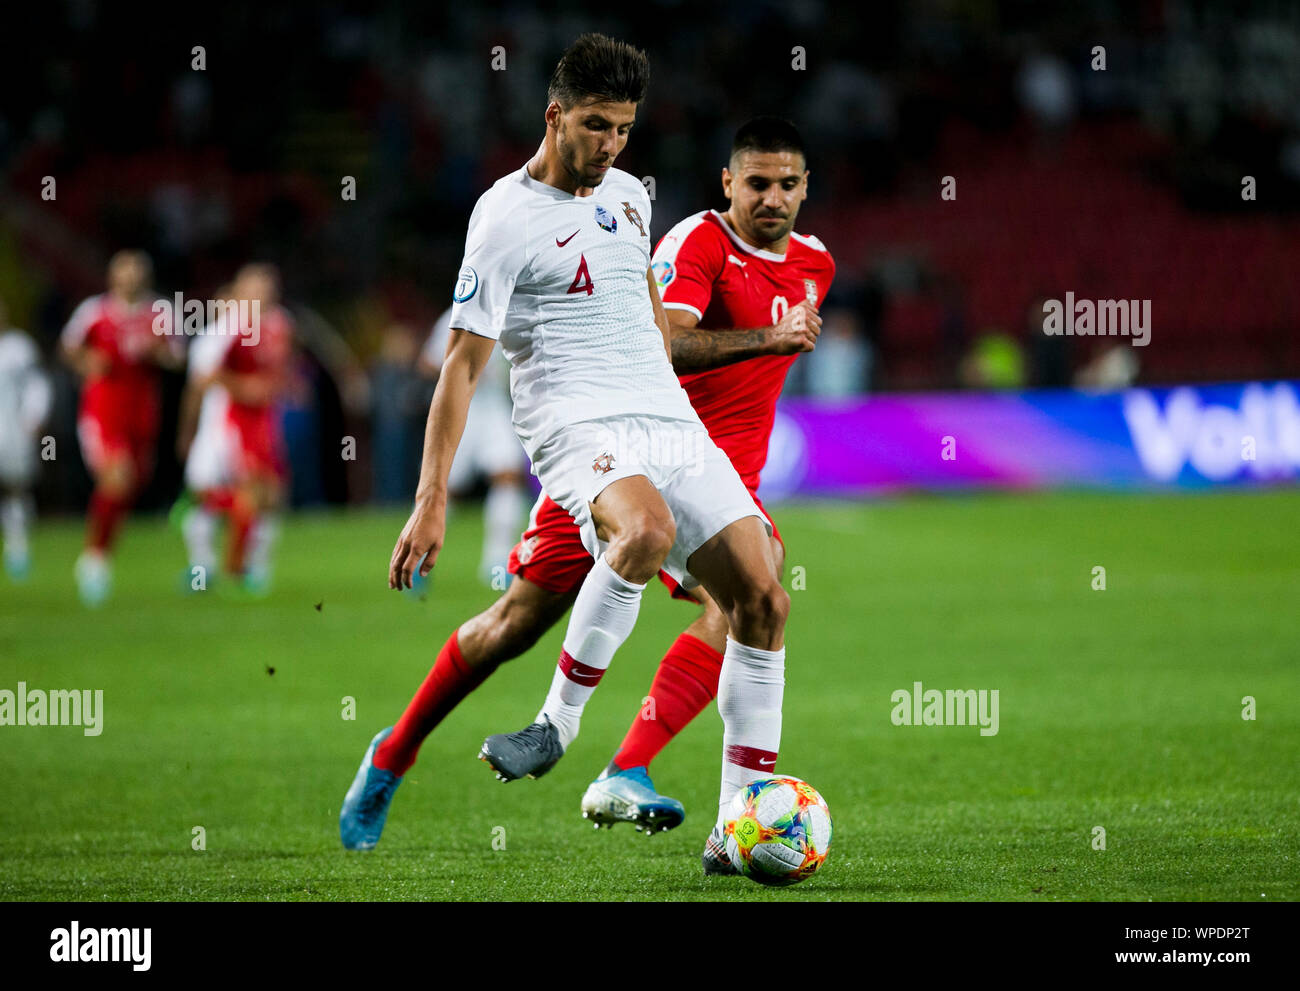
266	352
124	334
702	266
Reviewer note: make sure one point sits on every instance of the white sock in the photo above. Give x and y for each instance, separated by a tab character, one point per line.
15	514
199	528
750	689
602	618
503	511
261	539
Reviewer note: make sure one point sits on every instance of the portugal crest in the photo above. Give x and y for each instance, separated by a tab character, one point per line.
633	217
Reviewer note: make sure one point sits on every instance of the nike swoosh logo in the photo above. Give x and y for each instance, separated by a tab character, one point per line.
561	244
764	763
733	258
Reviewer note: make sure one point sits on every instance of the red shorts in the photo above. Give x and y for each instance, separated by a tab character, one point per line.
259	441
106	433
551	555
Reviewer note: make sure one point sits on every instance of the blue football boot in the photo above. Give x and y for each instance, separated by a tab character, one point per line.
365	806
630	796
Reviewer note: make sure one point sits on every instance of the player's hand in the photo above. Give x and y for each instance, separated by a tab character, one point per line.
797	330
422	537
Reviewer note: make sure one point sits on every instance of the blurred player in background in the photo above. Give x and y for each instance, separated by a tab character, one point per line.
24	404
489	449
741	292
235	466
110	341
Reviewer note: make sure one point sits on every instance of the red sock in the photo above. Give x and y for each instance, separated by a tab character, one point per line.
687	680
106	515
242	518
445	687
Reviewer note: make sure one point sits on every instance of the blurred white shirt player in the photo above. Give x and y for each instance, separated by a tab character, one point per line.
489	448
24	403
208	462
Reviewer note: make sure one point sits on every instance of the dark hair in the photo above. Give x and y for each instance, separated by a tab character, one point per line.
596	67
767	134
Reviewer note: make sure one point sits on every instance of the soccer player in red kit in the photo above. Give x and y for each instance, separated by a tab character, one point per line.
236	465
116	341
741	291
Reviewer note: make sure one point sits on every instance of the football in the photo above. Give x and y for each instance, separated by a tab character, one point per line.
778	830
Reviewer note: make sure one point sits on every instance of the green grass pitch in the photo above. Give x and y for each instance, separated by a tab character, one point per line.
1119	708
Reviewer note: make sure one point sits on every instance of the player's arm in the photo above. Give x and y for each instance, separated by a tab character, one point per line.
74	344
422	537
187	419
695	349
661	316
36	397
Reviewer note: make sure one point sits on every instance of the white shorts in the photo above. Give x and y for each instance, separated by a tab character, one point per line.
210	464
488	446
695	478
17	457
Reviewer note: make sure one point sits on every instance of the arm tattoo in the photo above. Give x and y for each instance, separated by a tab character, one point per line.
697	350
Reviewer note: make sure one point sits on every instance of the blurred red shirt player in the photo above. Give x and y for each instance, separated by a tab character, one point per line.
111	341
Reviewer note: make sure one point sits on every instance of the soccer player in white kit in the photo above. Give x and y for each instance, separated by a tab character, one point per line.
489	448
24	403
557	267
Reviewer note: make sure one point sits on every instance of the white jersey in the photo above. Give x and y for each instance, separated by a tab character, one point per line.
208	463
24	403
560	281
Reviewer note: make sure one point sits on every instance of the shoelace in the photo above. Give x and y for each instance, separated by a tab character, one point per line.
377	789
536	734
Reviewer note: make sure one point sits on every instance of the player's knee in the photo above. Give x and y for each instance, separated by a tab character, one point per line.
646	541
761	610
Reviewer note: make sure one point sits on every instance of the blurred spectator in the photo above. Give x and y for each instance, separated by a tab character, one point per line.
1114	367
993	362
840	365
1049	354
401	402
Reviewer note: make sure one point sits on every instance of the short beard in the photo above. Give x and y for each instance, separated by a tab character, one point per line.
575	173
782	231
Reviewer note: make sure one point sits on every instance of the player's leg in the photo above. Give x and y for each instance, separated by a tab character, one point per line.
685	682
199	522
241	515
739	571
477	648
108	457
549	564
632	519
15	521
502	510
497	454
269	495
509	628
206	499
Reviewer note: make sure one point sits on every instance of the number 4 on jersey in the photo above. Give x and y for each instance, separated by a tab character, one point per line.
582	281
